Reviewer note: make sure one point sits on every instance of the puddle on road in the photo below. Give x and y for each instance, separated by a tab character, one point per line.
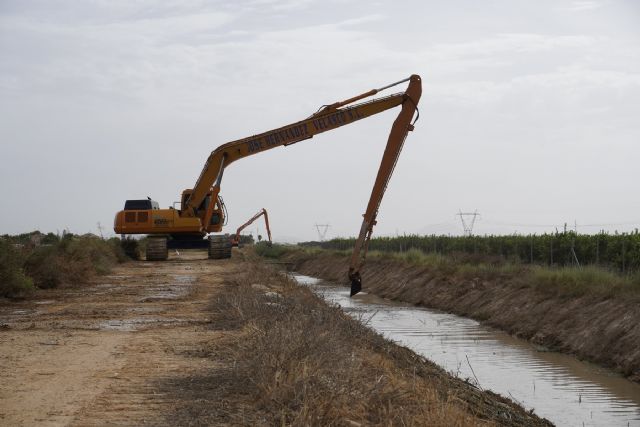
180	288
557	386
144	309
19	313
129	325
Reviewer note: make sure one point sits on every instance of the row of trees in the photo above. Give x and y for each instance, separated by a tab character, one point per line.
620	251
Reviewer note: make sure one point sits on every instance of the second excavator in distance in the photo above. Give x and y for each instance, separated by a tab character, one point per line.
235	240
202	209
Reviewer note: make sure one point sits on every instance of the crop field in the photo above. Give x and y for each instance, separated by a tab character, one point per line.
619	252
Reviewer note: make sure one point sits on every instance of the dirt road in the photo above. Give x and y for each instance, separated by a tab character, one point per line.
107	353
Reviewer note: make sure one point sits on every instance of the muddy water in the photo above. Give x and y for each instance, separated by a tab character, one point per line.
556	386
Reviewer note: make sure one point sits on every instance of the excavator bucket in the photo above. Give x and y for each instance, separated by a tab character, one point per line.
356	285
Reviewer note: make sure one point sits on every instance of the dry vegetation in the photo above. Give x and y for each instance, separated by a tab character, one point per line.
66	260
293	360
566	281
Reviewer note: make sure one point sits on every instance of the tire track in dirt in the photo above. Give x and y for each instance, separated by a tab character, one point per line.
95	355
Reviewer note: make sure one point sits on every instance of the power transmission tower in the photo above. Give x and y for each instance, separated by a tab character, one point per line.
467	224
322	230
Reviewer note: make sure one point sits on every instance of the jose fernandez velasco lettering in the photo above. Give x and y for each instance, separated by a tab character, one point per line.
296	132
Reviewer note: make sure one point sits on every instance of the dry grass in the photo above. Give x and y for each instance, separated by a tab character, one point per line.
293	360
575	282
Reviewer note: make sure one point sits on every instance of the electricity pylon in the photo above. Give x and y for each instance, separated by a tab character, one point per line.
322	230
468	226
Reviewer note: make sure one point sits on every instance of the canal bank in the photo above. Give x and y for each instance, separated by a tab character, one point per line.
558	386
596	327
292	359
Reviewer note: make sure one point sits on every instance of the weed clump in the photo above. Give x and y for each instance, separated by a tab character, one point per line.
273	251
13	282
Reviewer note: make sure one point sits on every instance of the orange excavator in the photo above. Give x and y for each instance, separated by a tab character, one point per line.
235	240
202	210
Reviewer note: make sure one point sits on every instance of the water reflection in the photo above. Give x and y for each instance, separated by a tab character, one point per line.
559	387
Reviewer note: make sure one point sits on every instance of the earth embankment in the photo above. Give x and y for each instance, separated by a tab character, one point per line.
595	327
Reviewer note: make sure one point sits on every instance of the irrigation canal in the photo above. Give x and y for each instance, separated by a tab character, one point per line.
558	387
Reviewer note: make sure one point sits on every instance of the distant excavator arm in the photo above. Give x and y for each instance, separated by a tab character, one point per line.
262	212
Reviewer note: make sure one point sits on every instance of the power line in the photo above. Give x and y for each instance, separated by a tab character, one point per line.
509	224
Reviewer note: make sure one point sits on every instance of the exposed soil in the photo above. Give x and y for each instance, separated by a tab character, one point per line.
184	342
595	328
99	354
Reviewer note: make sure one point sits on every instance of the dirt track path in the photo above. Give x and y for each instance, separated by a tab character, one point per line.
105	353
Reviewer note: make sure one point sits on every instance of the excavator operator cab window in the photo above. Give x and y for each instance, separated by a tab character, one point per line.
215	218
140	205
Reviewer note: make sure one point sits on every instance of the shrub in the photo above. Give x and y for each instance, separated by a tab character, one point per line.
72	260
13	282
129	247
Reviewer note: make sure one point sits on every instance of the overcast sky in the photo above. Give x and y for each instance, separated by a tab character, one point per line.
530	111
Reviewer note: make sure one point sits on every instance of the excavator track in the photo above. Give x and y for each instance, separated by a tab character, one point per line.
219	247
157	248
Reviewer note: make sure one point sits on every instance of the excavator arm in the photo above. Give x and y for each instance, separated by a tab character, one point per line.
402	125
262	212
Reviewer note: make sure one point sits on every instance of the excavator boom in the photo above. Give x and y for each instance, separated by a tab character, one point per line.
327	119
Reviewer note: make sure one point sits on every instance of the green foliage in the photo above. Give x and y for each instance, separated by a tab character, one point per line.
246	239
13	282
616	251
